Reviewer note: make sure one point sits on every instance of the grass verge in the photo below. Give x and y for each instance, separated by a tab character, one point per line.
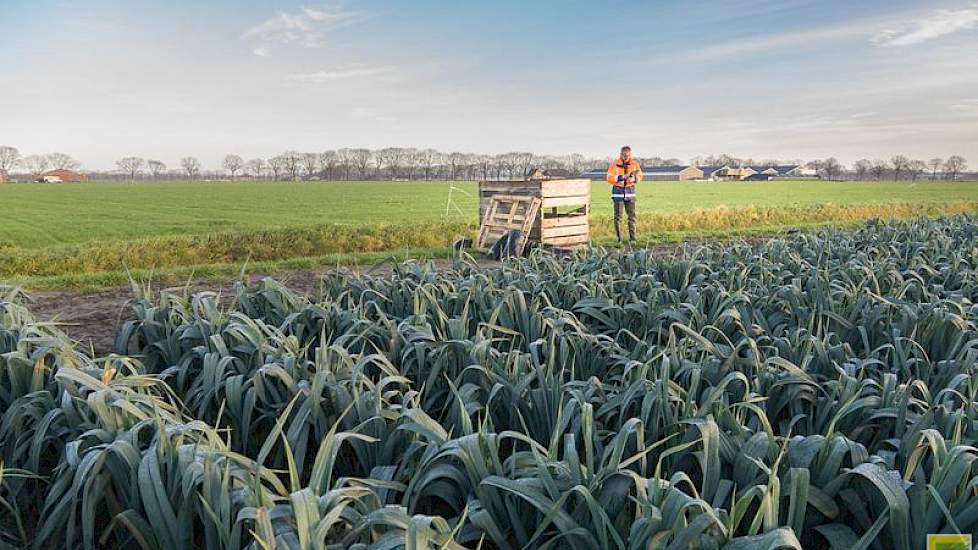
223	254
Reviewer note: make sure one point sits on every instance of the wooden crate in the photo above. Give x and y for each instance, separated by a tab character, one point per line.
565	208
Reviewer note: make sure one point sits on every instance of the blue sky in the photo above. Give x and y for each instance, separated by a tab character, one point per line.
768	79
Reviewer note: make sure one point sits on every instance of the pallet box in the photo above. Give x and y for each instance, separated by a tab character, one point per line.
565	208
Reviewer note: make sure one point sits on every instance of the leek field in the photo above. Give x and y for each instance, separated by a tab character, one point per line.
816	390
101	233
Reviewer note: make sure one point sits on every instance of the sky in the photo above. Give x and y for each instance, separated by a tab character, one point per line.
765	79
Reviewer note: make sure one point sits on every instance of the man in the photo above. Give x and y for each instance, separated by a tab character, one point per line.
623	174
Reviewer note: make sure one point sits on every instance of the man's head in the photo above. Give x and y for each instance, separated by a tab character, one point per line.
626	153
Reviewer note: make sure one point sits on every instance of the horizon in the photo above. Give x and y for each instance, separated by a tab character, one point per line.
749	78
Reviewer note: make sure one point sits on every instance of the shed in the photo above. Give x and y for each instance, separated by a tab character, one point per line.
58	176
565	208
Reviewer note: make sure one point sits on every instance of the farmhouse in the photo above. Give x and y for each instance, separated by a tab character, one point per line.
58	176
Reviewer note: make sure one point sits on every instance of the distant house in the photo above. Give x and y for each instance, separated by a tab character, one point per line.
672	173
59	176
778	170
3	177
733	174
716	173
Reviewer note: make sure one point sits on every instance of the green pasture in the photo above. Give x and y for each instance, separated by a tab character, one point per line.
43	215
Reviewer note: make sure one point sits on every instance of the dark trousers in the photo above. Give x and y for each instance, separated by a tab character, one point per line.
629	205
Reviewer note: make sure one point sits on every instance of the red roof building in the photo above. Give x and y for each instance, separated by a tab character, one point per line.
57	176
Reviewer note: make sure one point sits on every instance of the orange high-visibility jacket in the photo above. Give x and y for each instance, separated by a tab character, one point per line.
618	172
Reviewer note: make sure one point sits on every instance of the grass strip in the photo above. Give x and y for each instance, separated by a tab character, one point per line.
100	264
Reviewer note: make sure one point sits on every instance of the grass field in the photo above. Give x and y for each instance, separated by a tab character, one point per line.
51	214
98	234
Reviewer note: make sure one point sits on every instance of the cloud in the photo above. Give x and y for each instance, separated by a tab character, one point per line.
787	40
967	107
355	70
940	23
899	30
305	27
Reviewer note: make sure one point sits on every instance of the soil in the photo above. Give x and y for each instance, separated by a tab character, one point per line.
93	318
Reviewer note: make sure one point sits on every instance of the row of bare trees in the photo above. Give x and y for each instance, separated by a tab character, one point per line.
394	163
36	165
409	163
900	167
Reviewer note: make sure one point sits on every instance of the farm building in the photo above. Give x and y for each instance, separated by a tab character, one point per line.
684	172
59	176
672	173
733	174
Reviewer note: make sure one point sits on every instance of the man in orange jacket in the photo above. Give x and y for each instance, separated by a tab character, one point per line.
623	174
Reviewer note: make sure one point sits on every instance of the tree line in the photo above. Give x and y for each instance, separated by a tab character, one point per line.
426	164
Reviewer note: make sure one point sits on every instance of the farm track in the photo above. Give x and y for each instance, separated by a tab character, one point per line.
93	318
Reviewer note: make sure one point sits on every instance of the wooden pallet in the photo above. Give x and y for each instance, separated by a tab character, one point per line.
506	213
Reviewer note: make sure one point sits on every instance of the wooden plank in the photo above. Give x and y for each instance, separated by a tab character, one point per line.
563	221
567	241
528	221
567	231
574	200
565	188
484	227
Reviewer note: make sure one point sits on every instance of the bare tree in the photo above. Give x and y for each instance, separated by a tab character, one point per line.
277	166
455	161
191	166
380	159
916	168
256	166
879	168
233	164
9	157
36	165
361	160
899	163
328	160
310	163
954	165
61	161
832	168
862	168
393	158
935	165
292	162
156	168
521	164
131	166
428	158
344	159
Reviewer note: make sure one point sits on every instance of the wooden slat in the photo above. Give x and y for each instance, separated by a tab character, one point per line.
567	231
563	221
574	200
564	188
567	241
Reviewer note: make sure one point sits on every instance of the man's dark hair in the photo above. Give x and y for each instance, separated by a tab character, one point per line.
626	148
